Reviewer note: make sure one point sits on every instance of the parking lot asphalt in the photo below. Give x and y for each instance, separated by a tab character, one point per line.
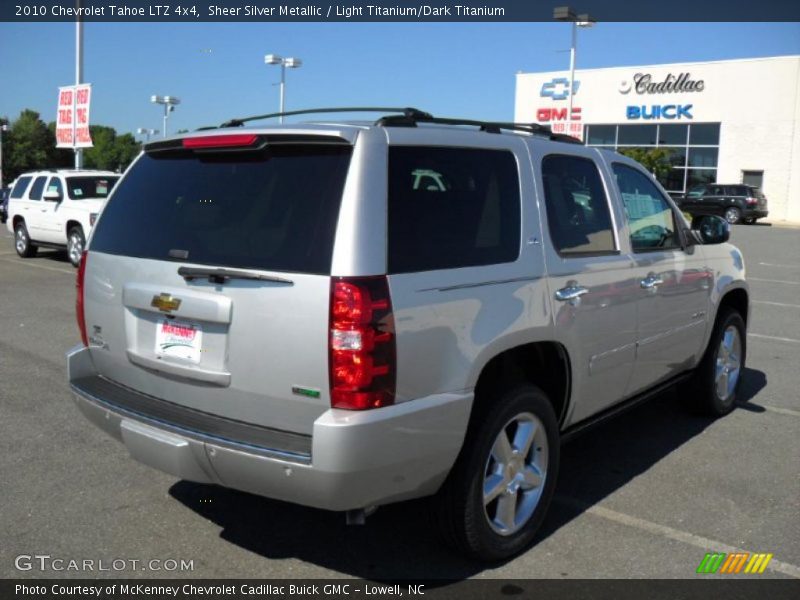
645	496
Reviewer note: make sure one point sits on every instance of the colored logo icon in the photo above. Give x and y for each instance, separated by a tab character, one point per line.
558	88
734	563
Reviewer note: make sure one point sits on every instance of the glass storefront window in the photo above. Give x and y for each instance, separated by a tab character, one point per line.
600	135
703	157
672	135
697	176
637	135
704	134
673	182
676	156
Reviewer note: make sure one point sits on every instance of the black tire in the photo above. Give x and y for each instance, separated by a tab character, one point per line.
733	215
458	509
76	242
702	392
22	241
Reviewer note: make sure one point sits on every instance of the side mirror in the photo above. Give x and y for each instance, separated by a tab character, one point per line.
52	196
710	229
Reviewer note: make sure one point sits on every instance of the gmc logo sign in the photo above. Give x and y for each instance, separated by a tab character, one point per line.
544	115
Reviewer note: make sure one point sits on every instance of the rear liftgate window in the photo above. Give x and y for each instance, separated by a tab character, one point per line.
273	208
452	207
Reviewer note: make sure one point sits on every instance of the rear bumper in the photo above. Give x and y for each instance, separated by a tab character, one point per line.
755	213
352	459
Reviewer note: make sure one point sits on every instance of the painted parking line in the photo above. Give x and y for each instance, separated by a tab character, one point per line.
704	543
779	266
780	410
773	337
776	303
773	281
38	266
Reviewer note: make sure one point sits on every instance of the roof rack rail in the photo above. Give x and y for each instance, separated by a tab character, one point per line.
406	112
410	117
488	126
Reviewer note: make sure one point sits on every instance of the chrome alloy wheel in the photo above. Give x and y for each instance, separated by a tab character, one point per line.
515	474
75	247
732	216
21	240
728	364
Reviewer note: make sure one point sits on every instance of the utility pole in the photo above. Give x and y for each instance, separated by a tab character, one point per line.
78	81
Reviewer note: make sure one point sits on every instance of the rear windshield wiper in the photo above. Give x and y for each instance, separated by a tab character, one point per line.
223	275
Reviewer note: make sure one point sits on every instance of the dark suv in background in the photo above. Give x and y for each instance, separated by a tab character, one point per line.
737	203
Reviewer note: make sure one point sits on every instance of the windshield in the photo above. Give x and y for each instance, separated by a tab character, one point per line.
95	186
274	209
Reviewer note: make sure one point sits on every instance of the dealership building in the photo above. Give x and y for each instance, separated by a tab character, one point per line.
731	121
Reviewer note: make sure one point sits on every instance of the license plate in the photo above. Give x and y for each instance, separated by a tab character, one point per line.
179	339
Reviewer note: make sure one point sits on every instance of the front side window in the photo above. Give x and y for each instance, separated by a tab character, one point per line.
90	187
577	207
37	188
20	187
650	217
55	186
451	208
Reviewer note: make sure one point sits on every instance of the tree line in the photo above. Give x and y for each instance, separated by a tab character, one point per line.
30	144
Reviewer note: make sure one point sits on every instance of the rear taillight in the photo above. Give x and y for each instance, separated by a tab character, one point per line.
79	298
751	200
362	356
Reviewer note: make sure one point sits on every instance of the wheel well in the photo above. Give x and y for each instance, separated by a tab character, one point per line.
737	300
71	224
17	219
545	364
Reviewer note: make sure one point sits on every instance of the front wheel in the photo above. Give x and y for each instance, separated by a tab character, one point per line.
497	494
22	241
733	215
717	379
75	244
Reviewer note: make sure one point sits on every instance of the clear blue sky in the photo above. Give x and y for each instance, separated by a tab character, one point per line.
218	71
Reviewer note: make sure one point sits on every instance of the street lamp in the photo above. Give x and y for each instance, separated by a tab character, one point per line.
146	133
565	13
292	63
3	128
169	103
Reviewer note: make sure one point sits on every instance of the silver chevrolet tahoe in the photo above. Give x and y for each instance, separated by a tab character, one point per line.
344	315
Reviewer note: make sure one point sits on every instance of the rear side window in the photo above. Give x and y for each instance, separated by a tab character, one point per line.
273	209
20	187
577	207
37	188
452	207
90	187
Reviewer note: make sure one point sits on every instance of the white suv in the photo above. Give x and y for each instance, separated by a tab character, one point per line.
57	209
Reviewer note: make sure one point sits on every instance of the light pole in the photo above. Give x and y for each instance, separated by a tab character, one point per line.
169	103
565	13
146	133
3	128
292	63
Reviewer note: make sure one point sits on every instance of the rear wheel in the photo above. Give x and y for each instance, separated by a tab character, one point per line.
497	494
22	241
717	379
733	215
75	245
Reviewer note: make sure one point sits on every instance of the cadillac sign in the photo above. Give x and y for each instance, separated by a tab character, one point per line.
643	83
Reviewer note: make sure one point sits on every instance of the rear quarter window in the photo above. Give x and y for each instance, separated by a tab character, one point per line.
451	208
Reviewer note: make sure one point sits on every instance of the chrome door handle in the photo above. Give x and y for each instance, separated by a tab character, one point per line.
650	282
571	292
